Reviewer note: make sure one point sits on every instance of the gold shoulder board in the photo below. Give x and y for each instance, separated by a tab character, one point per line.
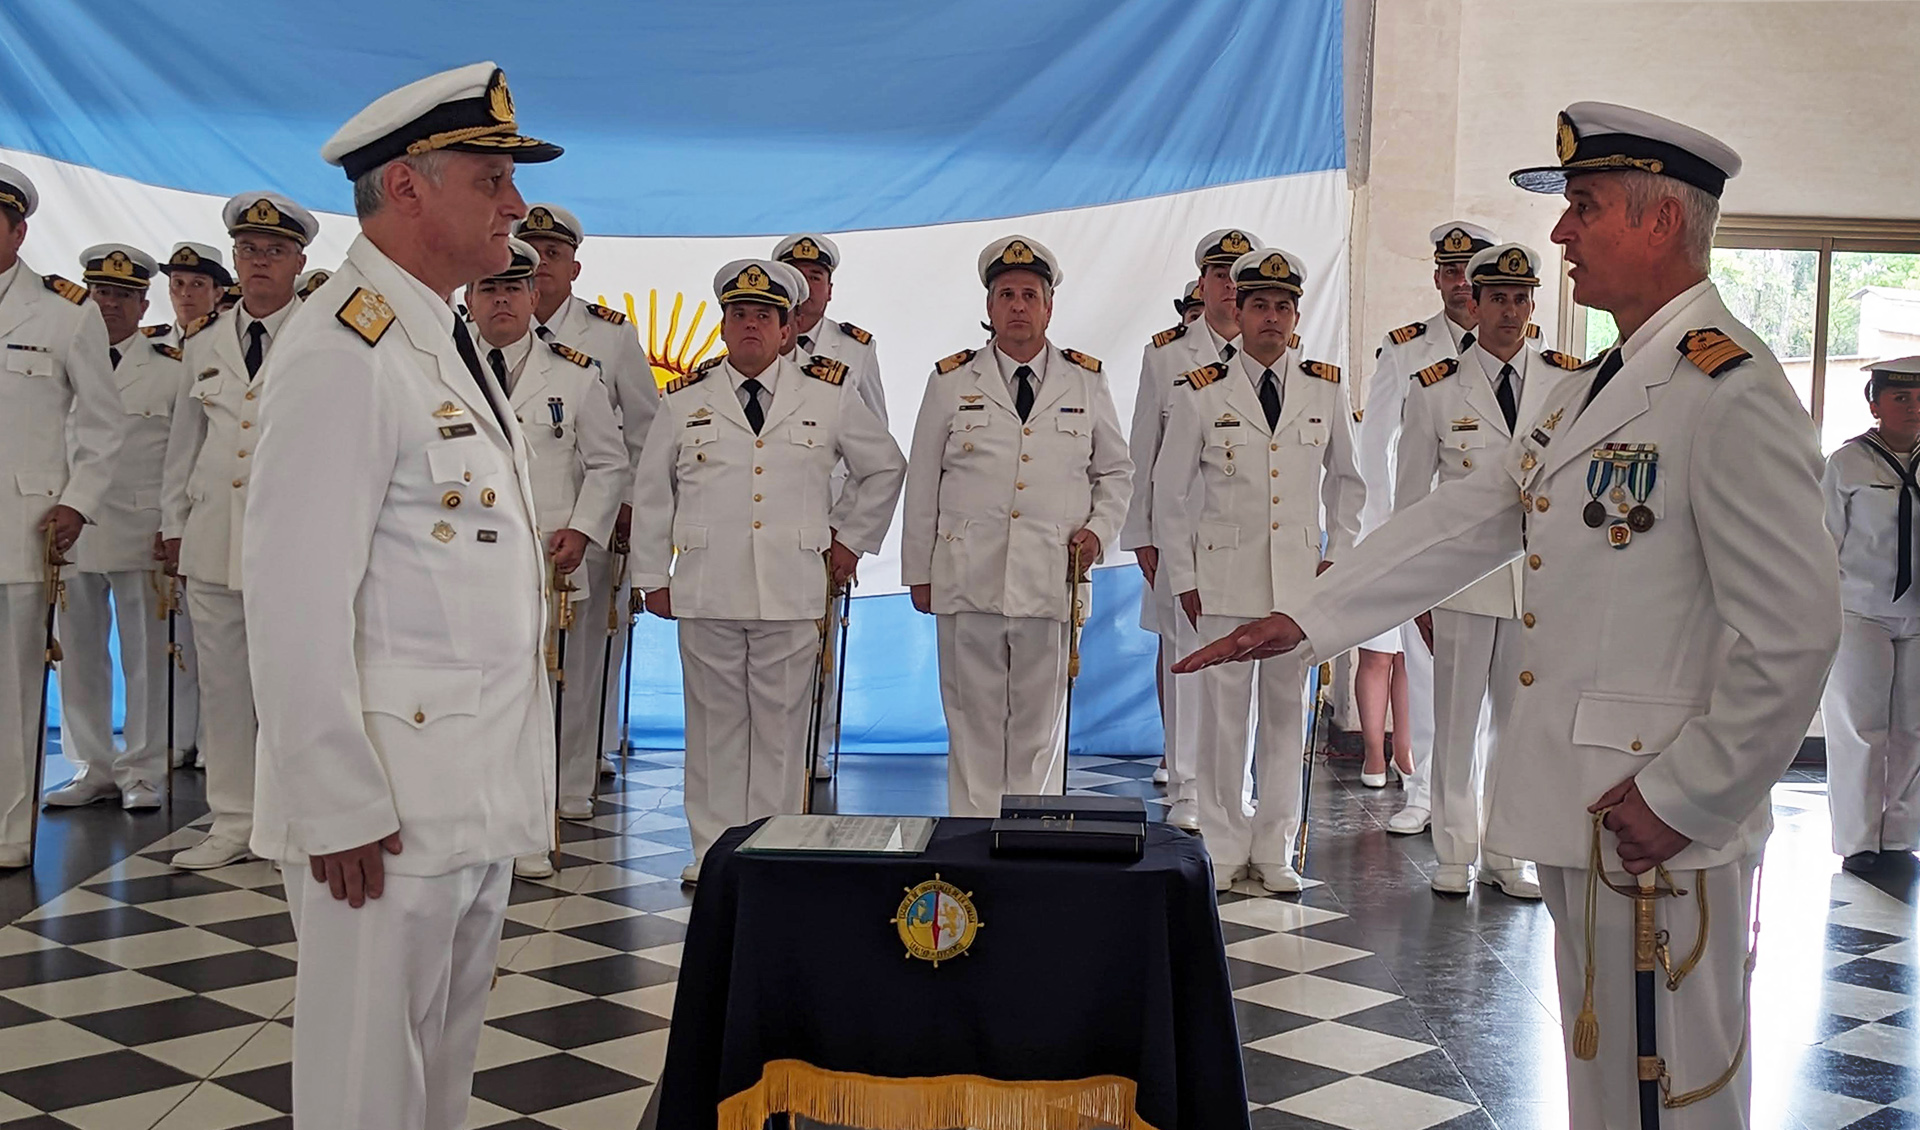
167	351
688	381
367	314
71	291
1293	341
1437	372
161	330
1562	360
606	314
571	354
1407	333
856	333
200	323
948	364
1533	332
1322	370
1167	337
1204	376
1090	364
1711	351
826	369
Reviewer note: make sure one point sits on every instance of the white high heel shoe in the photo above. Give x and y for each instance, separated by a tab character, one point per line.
1374	780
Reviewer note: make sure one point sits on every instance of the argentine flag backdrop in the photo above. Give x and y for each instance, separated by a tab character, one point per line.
1115	131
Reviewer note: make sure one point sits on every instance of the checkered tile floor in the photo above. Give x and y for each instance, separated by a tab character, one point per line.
148	998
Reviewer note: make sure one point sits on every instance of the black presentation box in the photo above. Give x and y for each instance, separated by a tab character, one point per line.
1127	809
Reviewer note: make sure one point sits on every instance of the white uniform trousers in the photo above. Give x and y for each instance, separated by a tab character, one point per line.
1180	707
1871	712
1467	706
749	688
1234	834
580	716
1003	687
86	678
1697	1028
186	681
1419	704
390	998
23	640
227	722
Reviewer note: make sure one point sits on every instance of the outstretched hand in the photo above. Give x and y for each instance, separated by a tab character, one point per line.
1262	639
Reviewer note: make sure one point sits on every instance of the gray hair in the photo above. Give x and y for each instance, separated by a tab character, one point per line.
370	190
1699	211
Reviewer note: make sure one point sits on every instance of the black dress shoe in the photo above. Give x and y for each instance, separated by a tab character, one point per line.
1861	862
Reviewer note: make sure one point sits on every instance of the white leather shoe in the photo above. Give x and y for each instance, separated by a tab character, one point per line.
1225	877
13	856
1514	882
1280	878
536	866
1184	814
139	797
1452	879
87	788
1410	821
1374	780
690	874
1160	774
212	852
576	808
607	767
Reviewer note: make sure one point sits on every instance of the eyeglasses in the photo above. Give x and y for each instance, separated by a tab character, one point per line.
272	252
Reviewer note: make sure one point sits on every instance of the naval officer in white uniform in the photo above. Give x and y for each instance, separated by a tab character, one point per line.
1680	634
406	733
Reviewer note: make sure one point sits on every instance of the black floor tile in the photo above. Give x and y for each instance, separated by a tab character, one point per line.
552	1081
268	1086
94	1079
668	895
13	1015
1247	974
1271	1078
266	930
1432	1072
579	1024
157	888
37	967
1873	973
114	922
606	976
1887	1118
1257	1021
164	1020
1856	1077
639	932
224	971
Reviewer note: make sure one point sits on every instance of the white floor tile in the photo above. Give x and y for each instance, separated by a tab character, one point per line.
1369	1104
1292	952
226	906
1321	997
1341	1047
640	1055
517	993
1819	1110
200	1056
265	1000
213	1107
49	1041
14	940
134	1112
567	913
499	1047
611	1112
271	1046
1883	1042
75	901
1273	914
654	999
543	951
1859	1001
161	947
99	993
481	1114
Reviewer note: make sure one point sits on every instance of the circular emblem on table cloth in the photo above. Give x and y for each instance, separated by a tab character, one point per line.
937	921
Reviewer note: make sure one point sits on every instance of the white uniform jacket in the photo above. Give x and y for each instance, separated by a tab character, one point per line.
853	347
1690	657
216	420
1164	366
608	336
992	502
148	381
1239	512
55	348
750	516
395	635
580	473
1863	515
1451	423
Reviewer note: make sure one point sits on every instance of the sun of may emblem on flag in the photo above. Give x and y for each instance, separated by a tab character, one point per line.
672	354
937	921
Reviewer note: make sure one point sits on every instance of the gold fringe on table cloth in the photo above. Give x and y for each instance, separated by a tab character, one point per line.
843	1098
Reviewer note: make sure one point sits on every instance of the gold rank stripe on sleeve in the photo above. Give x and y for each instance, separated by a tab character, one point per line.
826	369
1407	333
1711	351
71	291
161	330
1293	341
1203	376
1533	332
1322	370
200	323
606	314
1562	360
1090	364
856	333
1167	337
1435	373
948	364
168	351
366	314
570	353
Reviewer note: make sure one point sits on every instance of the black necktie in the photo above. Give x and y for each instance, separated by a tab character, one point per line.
1227	351
1608	368
1270	397
1023	396
497	361
806	343
1509	407
256	348
544	332
756	415
1909	487
113	354
463	342
1466	341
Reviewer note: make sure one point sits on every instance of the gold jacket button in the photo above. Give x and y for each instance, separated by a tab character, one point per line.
1527	619
1533	562
1540	504
1276	498
1276	525
756	498
1019	486
1026	431
244	424
1635	747
249	394
756	525
466	476
759	443
759	470
1025	458
1466	464
419	716
1016	514
1526	678
1274	473
1273	447
242	453
238	483
487	497
966	447
450	500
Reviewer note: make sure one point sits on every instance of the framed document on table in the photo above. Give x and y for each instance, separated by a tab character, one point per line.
841	835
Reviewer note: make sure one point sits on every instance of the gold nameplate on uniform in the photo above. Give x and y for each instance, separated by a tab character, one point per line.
455	431
699	423
487	536
1467	424
448	409
442	532
971	408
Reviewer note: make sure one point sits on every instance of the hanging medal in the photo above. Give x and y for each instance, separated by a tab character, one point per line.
1599	477
1642	473
557	408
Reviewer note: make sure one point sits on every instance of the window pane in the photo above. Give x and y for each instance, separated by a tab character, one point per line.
1874	315
1601	332
1775	293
